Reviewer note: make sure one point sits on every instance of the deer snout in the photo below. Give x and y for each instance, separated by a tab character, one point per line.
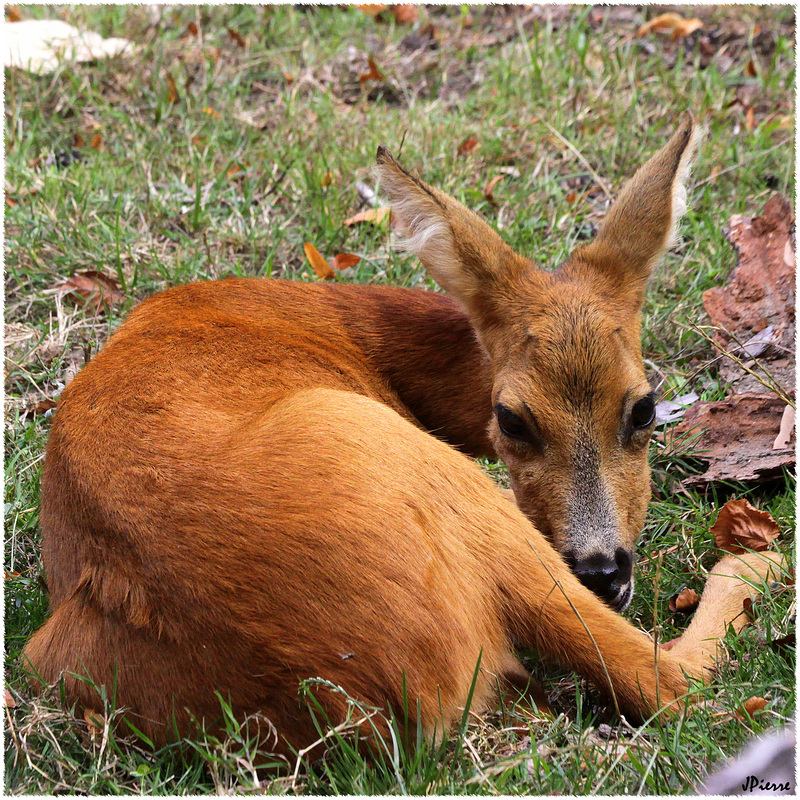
608	577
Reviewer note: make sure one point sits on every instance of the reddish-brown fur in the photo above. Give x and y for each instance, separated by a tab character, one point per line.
242	491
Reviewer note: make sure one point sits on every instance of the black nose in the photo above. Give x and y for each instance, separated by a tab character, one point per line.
603	575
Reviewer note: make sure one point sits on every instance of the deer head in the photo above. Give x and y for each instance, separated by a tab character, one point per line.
572	408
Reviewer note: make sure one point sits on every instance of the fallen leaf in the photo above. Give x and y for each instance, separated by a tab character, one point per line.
327	178
671	23
372	9
97	142
8	700
77	141
750	119
753	704
12	14
237	170
740	527
760	293
191	29
405	14
786	430
94	722
173	96
715	433
321	267
751	69
374	73
345	260
672	410
95	289
374	215
487	192
237	37
468	145
686	600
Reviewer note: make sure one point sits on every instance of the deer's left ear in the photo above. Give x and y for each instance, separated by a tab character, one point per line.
642	224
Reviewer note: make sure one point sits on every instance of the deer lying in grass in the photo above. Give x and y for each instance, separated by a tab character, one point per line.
258	482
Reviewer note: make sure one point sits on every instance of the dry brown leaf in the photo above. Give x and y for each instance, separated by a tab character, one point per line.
94	722
751	68
237	37
750	118
327	178
487	192
12	14
345	260
173	95
321	267
94	289
77	140
8	700
740	527
671	23
191	29
405	14
468	145
686	600
784	436
753	704
374	73
374	215
97	142
372	9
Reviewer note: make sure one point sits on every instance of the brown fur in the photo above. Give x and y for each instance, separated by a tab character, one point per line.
242	490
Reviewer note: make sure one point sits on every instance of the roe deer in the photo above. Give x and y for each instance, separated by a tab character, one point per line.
258	482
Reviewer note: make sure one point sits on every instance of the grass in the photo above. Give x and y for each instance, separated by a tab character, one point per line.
217	159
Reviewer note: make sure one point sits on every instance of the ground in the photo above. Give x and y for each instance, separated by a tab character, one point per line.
228	137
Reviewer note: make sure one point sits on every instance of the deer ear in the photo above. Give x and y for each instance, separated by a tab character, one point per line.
642	224
461	252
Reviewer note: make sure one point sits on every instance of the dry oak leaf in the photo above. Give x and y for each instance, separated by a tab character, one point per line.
740	527
93	288
374	73
374	215
405	14
686	600
753	704
345	260
321	266
671	23
372	9
468	145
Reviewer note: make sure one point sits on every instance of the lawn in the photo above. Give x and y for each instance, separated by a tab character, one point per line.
232	135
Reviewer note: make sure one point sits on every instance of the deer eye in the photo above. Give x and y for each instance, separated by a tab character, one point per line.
511	424
643	413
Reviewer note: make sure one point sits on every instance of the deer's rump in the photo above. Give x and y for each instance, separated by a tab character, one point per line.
197	542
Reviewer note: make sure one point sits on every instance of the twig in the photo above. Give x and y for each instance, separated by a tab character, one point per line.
598	180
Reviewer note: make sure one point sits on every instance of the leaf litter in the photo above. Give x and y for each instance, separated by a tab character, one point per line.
747	436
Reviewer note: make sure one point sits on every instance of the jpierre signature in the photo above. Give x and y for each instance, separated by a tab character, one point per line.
752	783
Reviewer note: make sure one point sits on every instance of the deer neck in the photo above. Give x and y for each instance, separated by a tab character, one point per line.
424	347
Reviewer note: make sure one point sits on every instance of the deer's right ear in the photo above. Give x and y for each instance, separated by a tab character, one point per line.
461	252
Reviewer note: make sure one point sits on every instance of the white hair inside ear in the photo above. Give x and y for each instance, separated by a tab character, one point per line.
679	192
